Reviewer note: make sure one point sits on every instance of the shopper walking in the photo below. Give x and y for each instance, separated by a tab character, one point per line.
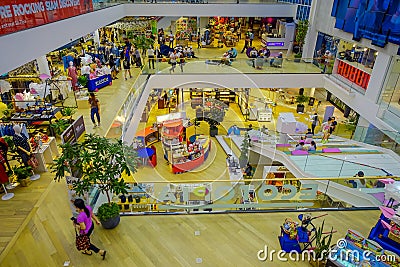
151	56
314	123
94	109
138	59
84	224
181	58
246	44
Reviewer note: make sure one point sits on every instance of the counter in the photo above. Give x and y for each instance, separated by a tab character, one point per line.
188	161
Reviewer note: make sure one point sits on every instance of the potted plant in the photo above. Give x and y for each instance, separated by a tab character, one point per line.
301	33
83	80
98	162
60	126
300	100
322	246
68	112
23	173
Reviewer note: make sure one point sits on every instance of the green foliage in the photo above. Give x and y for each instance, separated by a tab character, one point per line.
142	42
82	80
98	162
22	172
68	111
60	126
301	33
10	142
301	99
322	242
297	55
107	211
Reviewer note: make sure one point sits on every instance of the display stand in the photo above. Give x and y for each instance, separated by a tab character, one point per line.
35	177
99	82
7	196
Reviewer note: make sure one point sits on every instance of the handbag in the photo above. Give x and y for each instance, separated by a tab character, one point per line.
33	162
82	242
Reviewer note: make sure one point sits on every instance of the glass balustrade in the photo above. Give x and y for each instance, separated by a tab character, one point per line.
237	65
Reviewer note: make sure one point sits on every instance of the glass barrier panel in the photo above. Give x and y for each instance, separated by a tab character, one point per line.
237	65
250	195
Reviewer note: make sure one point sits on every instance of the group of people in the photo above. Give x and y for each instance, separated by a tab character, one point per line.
328	128
307	139
130	56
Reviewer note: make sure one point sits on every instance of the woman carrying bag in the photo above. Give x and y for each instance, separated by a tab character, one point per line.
84	226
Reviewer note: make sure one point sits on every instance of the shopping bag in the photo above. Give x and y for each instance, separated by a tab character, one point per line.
33	162
82	242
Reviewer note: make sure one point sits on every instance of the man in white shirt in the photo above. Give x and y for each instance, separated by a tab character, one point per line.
173	57
151	55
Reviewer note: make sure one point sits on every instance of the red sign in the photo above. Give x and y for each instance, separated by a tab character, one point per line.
353	74
17	15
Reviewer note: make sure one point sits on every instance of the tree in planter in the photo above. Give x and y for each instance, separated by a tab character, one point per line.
301	33
98	162
300	100
142	42
216	114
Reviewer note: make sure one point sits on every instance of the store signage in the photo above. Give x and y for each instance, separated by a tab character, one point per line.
17	15
79	127
100	82
68	136
265	193
275	43
353	74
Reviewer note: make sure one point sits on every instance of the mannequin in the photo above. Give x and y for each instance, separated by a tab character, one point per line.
4	179
22	145
73	74
3	151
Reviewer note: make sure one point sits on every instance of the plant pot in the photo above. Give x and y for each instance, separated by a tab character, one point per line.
298	60
213	131
300	109
111	223
25	182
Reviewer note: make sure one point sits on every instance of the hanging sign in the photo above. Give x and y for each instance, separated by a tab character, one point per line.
17	15
353	74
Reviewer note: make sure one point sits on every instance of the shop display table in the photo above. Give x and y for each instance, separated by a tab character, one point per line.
46	154
37	119
99	82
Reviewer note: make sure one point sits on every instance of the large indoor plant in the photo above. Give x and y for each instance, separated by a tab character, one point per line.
244	151
23	173
301	33
322	246
300	100
98	162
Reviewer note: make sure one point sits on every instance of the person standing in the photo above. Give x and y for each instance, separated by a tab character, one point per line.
171	40
314	123
94	109
173	57
151	55
85	226
138	59
126	62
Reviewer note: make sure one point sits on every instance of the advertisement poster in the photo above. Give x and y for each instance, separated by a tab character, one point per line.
18	15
